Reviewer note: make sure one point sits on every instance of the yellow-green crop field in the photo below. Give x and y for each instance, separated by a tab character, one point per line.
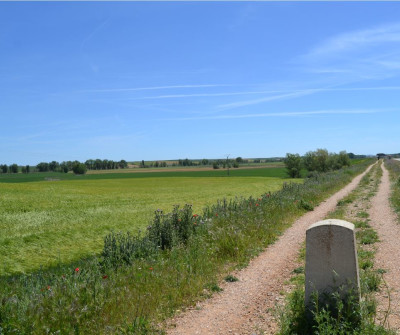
43	223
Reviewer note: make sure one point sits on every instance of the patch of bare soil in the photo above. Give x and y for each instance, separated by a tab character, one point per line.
247	307
387	257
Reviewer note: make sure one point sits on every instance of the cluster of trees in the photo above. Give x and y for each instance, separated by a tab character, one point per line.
216	163
153	164
105	164
320	160
188	162
13	168
90	164
225	163
75	166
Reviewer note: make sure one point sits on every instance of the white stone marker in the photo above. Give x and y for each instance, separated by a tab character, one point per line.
331	259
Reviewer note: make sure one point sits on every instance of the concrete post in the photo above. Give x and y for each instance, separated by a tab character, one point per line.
331	260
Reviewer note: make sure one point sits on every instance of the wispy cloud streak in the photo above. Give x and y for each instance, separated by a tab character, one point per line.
149	88
291	95
357	39
283	114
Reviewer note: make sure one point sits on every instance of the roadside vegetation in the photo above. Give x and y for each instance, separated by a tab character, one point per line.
319	160
140	279
351	316
394	170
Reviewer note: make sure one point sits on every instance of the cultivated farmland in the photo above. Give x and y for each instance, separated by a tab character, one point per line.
54	218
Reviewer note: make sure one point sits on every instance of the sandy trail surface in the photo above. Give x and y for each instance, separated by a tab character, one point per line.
247	307
387	257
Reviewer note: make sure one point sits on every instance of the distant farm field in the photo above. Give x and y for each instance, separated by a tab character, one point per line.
51	218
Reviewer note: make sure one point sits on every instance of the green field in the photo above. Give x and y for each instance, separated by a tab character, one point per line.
44	222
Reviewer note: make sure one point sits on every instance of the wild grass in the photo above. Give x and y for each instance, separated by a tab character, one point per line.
140	280
349	316
50	222
394	170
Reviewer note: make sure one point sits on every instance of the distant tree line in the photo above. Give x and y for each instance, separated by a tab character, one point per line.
320	161
75	166
153	164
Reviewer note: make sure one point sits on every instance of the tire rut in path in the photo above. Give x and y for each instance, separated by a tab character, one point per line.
247	305
387	257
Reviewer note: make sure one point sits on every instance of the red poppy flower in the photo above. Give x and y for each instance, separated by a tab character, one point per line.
151	269
77	270
105	277
195	215
256	204
48	287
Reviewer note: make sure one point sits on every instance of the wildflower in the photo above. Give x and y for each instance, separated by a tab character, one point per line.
256	204
77	270
216	214
105	277
195	215
48	288
151	269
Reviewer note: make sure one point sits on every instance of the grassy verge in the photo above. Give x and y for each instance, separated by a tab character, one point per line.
394	170
351	317
140	280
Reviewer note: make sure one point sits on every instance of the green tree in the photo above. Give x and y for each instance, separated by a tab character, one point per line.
54	166
344	158
122	164
293	165
309	161
79	168
43	167
334	162
4	168
321	159
14	168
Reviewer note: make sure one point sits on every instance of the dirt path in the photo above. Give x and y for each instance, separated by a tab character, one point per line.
246	307
387	257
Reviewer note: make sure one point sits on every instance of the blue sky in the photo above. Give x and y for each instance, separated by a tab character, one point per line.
167	80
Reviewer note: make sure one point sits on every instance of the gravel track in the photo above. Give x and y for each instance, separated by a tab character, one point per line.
387	257
247	307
